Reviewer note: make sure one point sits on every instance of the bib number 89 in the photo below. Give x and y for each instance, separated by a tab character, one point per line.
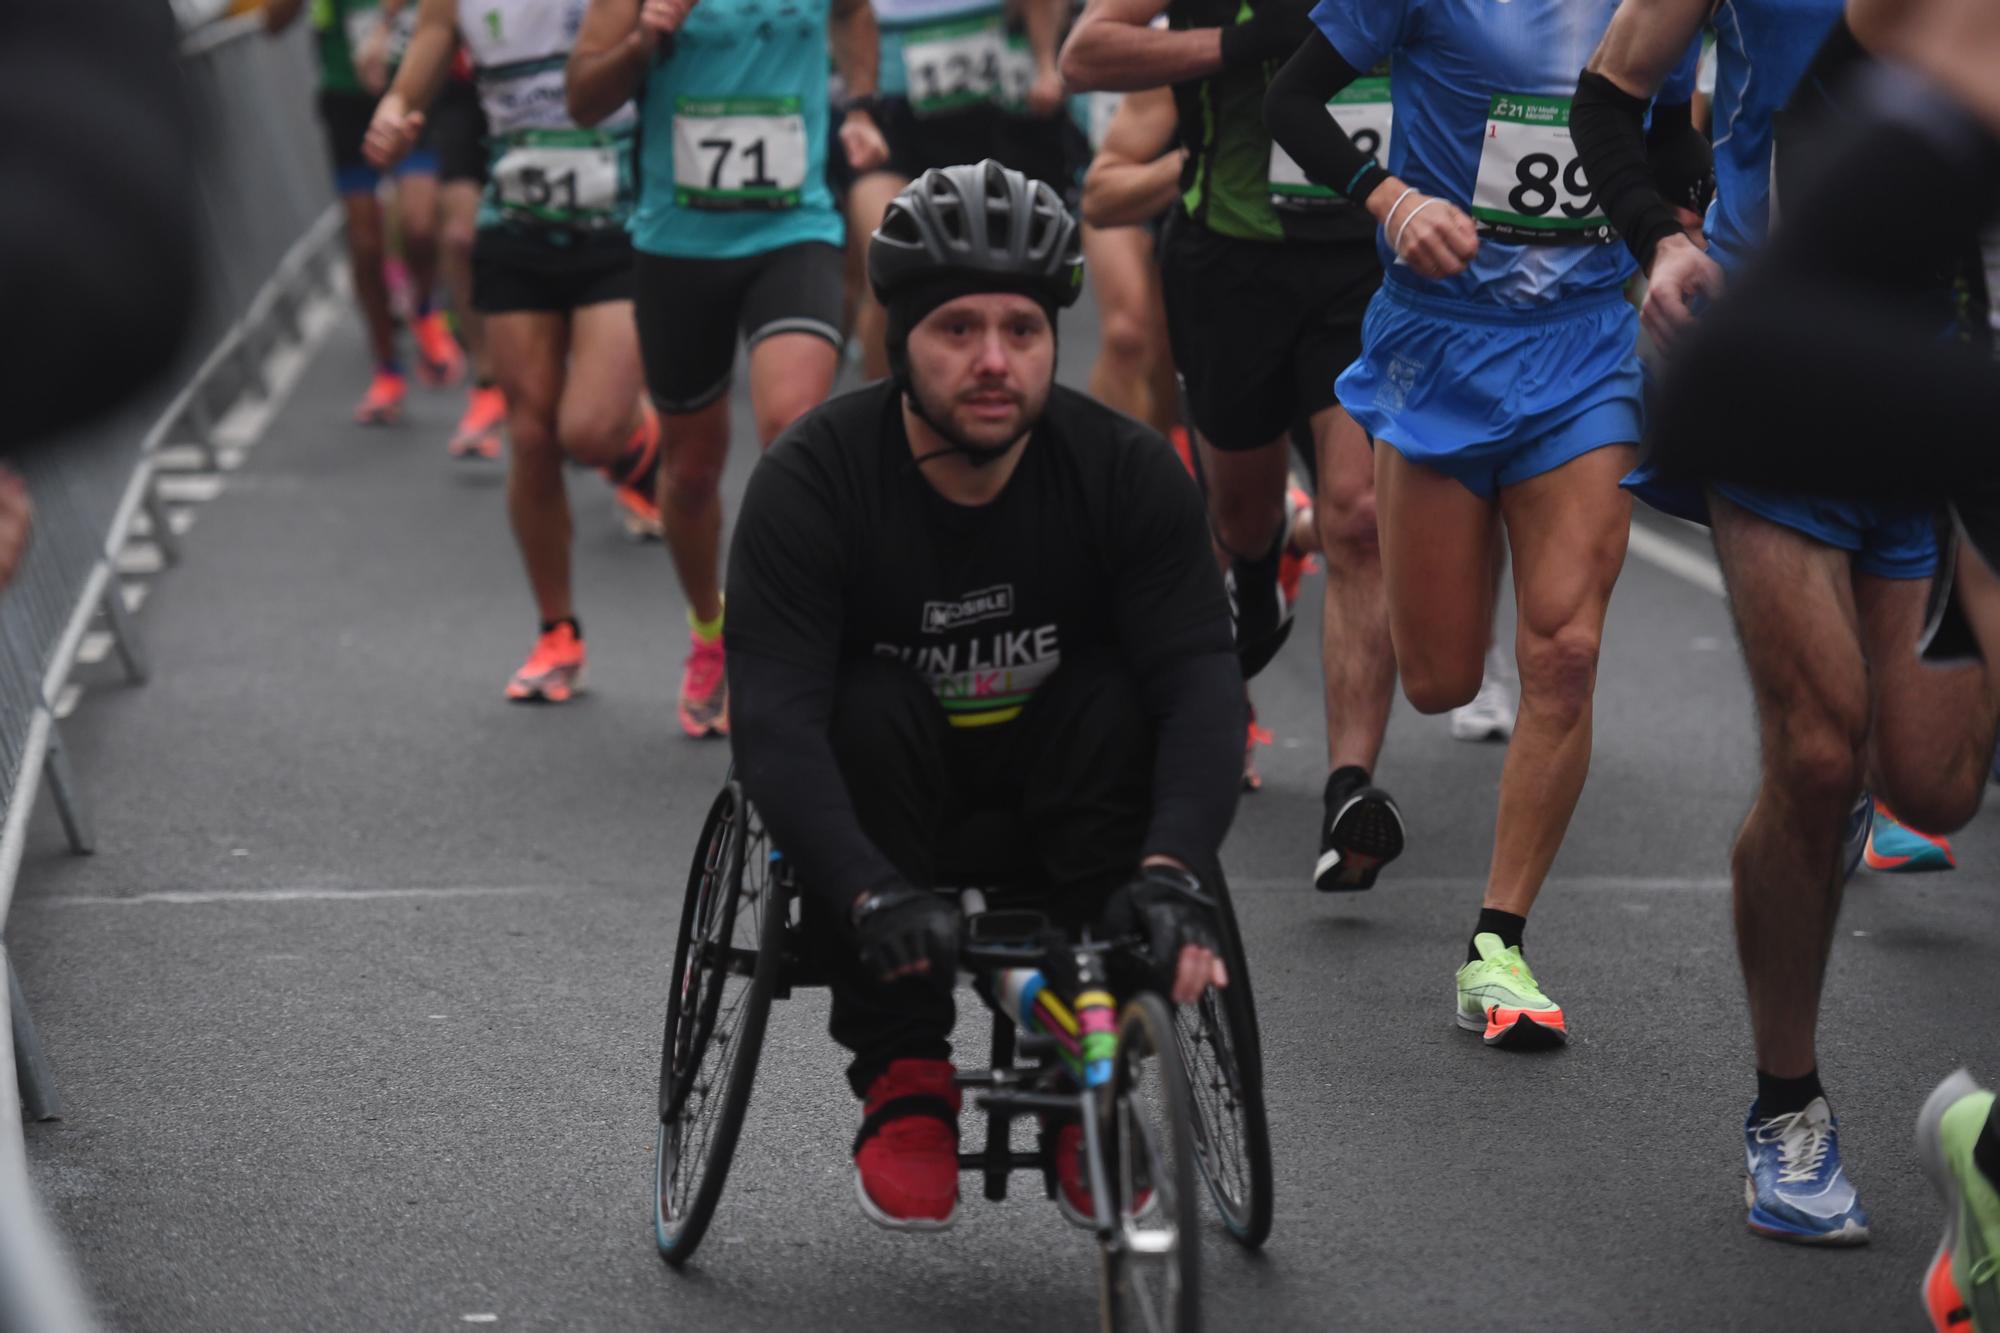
1536	193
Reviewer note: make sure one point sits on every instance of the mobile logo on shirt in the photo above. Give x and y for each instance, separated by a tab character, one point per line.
992	603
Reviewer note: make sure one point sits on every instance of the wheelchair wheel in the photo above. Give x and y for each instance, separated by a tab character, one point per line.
1218	1041
725	972
1151	1263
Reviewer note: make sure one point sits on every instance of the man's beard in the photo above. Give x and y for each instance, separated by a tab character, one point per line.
982	449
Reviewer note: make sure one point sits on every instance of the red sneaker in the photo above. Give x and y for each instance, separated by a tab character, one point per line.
440	360
553	672
1073	1195
906	1155
382	405
478	433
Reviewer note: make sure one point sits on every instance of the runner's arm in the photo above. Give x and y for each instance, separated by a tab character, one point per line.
857	48
1112	50
608	62
1134	178
1646	41
1295	113
428	61
1044	20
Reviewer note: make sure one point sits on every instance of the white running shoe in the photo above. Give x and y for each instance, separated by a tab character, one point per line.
1490	715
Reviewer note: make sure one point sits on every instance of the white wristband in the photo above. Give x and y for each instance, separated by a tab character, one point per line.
1408	190
1397	245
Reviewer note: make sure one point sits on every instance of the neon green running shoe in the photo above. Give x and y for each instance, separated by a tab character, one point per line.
1962	1289
1498	998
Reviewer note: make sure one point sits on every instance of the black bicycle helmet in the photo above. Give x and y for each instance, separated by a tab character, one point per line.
967	222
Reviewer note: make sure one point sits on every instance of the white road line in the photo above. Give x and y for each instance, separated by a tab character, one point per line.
1468	883
1677	558
202	897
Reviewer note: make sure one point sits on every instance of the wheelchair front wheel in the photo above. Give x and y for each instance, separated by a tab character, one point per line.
1219	1046
1151	1263
726	964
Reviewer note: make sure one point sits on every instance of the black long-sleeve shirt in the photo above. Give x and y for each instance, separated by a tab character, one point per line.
844	551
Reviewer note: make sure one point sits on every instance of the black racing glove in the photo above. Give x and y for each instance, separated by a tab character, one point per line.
1274	30
897	930
1167	909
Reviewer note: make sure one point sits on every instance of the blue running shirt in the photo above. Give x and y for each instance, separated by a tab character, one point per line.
1762	47
1480	91
733	134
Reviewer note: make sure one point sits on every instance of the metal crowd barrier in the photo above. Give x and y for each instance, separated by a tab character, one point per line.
271	229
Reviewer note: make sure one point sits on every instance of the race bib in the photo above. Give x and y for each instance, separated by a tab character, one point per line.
956	64
1017	72
361	25
1363	110
1531	187
564	177
733	153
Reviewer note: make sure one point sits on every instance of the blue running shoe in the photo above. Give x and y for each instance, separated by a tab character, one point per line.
1896	848
1796	1190
1854	835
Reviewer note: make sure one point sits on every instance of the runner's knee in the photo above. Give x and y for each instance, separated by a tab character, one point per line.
1439	681
1345	515
1558	670
1125	340
1813	747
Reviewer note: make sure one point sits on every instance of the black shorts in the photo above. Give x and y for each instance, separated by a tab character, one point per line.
458	133
1260	330
918	143
515	270
346	116
691	312
1047	148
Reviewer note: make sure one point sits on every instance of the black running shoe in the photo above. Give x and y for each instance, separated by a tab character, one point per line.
1363	833
1259	612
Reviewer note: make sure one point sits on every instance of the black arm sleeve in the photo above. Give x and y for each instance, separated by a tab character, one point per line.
1608	126
783	634
1680	158
1295	114
779	715
1173	628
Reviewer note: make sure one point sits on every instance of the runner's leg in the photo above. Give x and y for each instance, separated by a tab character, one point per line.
865	204
1436	540
458	208
1358	663
1130	319
530	349
1793	602
367	248
600	398
1568	531
417	228
790	374
1932	741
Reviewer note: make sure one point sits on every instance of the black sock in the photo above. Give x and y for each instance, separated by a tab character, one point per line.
575	625
1493	921
1785	1096
1986	1151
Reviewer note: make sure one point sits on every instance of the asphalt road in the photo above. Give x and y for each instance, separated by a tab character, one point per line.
357	1010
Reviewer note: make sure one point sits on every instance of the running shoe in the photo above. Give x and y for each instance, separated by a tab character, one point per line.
1962	1290
906	1154
704	706
1074	1197
1252	779
1794	1186
1296	561
1498	998
1854	835
635	481
478	433
382	405
1896	848
553	672
1362	833
1259	612
440	360
1490	715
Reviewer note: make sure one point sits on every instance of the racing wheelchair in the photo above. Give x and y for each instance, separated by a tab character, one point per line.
1165	1095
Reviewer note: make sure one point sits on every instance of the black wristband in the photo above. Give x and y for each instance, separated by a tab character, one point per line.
869	102
1608	125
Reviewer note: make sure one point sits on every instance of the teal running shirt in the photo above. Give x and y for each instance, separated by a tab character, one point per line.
733	134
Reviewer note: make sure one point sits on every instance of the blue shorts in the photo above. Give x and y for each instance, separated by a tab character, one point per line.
361	178
1888	539
346	116
1491	396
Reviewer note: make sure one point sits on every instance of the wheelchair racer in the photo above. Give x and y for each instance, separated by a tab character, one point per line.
966	590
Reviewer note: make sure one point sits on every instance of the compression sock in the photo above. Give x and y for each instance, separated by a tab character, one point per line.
1786	1096
1493	921
708	631
1986	1149
575	626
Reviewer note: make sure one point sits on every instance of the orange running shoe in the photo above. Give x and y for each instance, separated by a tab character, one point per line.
1295	562
704	707
478	433
382	405
1895	847
634	480
1252	779
440	360
554	671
